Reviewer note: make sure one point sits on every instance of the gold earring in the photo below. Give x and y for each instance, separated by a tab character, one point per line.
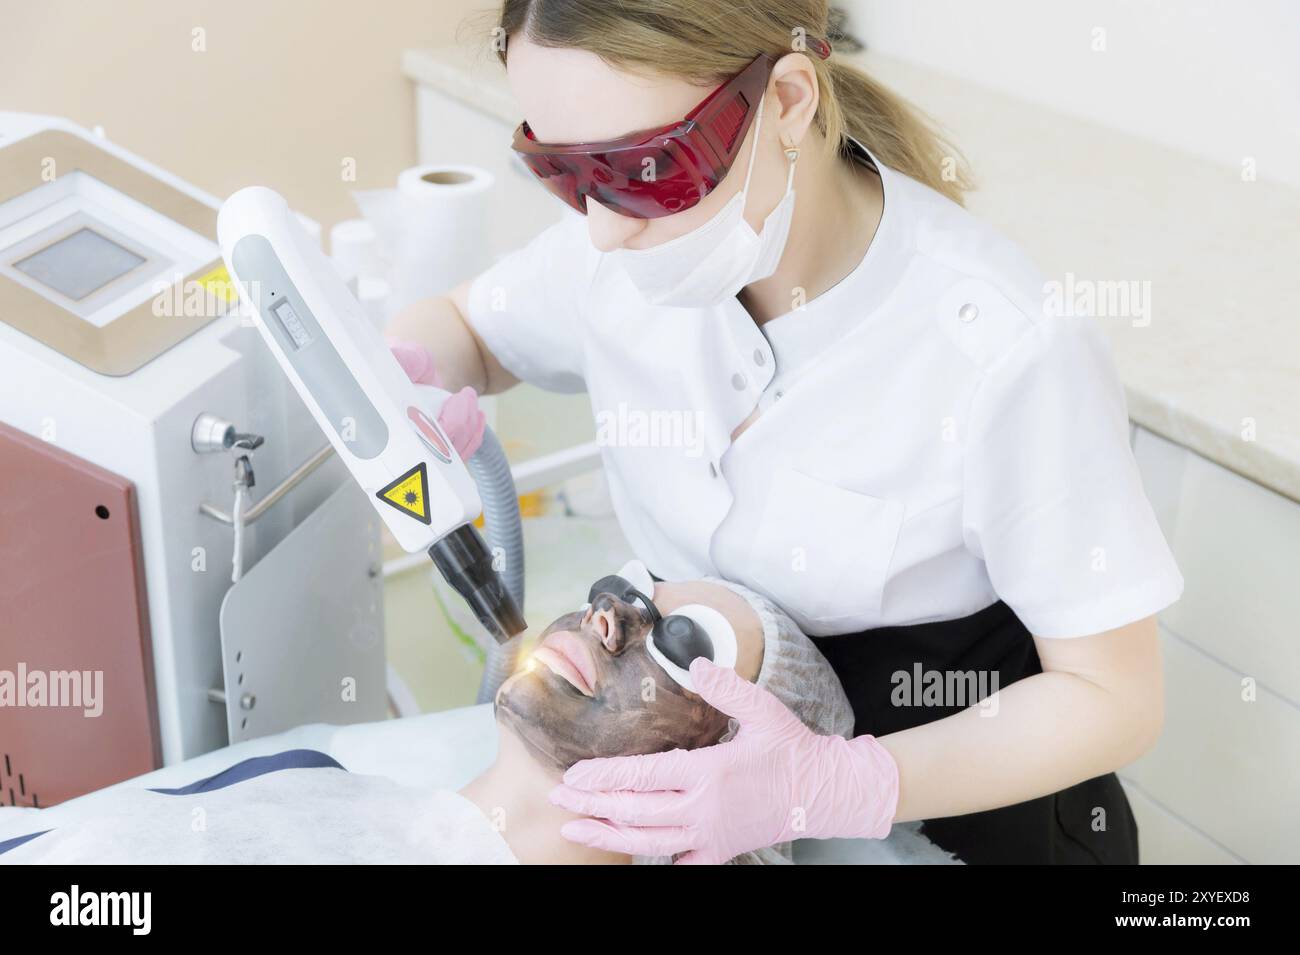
791	150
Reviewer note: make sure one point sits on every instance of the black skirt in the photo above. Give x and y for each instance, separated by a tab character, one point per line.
1089	823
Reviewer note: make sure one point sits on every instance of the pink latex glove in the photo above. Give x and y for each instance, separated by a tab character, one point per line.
415	361
775	781
460	416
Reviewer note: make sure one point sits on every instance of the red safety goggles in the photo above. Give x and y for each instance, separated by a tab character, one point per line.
660	172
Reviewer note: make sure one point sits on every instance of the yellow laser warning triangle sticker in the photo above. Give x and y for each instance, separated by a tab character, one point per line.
409	494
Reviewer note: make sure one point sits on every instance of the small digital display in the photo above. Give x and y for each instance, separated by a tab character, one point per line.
79	264
292	324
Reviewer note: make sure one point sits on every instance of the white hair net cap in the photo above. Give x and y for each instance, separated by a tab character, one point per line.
796	673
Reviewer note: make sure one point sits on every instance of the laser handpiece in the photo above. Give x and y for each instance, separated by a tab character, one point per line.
369	410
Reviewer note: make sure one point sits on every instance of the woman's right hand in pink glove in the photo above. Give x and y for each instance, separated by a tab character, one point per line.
460	416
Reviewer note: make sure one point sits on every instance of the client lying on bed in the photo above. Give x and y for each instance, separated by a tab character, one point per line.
593	689
590	688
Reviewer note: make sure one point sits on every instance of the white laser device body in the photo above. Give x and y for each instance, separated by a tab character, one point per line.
347	377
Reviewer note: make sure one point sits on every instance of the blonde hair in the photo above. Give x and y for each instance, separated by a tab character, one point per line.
709	41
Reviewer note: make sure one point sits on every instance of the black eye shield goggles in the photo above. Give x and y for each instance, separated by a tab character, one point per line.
676	640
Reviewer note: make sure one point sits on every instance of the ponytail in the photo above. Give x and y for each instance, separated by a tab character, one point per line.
896	132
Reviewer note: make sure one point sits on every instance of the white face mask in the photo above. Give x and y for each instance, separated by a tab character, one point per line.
716	260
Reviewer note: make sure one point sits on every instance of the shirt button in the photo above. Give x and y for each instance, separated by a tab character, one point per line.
779	394
738	381
759	358
968	312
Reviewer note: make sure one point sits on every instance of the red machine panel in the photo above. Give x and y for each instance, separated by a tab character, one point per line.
77	707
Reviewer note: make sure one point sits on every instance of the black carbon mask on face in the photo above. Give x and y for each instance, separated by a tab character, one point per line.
635	707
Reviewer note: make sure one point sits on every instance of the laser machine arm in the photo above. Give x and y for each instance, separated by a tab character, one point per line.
341	367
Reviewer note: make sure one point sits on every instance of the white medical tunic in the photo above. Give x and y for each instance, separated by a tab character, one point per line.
930	438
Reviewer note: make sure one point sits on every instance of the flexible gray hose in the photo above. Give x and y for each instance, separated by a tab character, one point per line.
505	536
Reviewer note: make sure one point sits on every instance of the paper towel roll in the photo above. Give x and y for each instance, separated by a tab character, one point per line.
432	229
354	249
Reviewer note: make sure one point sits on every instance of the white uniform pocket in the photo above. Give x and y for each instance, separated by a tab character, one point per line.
823	552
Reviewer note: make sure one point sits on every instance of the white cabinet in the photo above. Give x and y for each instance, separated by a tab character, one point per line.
1167	838
1224	780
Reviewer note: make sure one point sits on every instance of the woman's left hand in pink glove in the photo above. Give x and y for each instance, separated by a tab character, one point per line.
774	781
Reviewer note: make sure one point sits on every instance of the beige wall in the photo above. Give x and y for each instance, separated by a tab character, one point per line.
285	91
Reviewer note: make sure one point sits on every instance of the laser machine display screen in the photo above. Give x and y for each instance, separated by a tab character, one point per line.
292	324
79	264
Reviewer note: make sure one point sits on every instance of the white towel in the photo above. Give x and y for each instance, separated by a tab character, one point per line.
296	816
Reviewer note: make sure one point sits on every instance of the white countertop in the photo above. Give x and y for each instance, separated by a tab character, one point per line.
1217	368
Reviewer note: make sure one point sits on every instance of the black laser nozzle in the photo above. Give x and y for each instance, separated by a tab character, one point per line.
466	564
